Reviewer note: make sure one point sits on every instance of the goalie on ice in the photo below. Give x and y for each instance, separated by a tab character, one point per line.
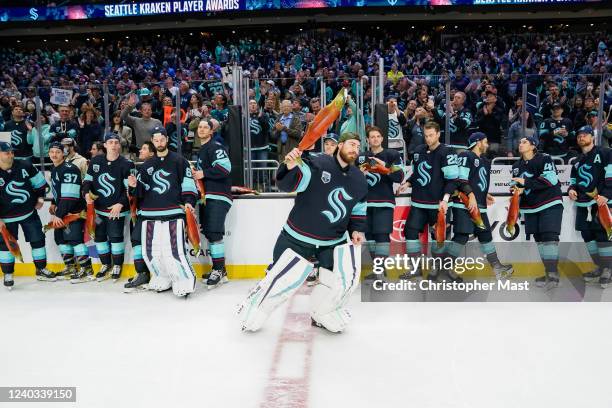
330	206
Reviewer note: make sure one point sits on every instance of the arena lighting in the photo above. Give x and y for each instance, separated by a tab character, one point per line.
66	40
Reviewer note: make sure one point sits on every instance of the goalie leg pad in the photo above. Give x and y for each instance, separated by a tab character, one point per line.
178	267
329	297
282	280
154	242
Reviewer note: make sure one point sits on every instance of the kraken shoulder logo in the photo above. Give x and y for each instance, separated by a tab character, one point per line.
162	185
255	127
482	175
335	198
16	137
424	176
372	178
106	188
21	195
585	176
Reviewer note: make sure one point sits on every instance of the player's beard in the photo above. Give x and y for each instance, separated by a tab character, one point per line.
346	157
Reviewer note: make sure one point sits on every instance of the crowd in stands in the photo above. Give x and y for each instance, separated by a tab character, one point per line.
474	81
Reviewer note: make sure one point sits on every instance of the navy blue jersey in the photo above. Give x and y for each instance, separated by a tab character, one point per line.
555	143
66	189
380	187
331	200
591	171
108	181
542	188
19	138
61	130
434	174
458	125
214	161
475	171
165	185
259	127
20	188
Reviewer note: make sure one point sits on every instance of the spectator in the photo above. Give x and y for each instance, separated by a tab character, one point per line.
330	143
516	133
125	134
287	131
489	119
73	157
97	149
142	127
557	133
19	131
90	128
394	75
34	138
65	126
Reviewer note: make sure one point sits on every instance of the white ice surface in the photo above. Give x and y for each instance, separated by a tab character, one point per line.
154	350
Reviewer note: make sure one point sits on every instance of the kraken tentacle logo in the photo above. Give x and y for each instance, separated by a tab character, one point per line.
16	137
106	188
586	177
162	184
21	195
526	175
255	127
424	176
334	199
372	178
482	175
393	129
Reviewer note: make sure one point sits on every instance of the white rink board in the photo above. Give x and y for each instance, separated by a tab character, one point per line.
253	225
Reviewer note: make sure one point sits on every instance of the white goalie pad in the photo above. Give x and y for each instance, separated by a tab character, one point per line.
334	289
281	281
163	250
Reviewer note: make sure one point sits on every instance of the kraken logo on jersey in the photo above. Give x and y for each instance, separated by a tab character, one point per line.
393	129
525	176
482	175
162	184
422	170
372	178
334	199
106	188
585	176
21	195
255	127
16	137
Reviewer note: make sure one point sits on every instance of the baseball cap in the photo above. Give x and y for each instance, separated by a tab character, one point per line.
475	138
67	141
592	113
5	147
585	129
349	136
56	145
111	135
557	105
144	92
331	136
159	130
531	140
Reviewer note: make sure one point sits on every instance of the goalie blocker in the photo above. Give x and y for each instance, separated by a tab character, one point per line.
328	298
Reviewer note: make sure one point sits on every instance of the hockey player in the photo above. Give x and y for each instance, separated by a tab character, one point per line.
147	151
22	191
66	190
381	197
165	190
474	181
433	181
329	208
214	167
106	180
535	175
592	170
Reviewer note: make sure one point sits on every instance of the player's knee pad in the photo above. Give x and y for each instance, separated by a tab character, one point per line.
214	236
154	239
330	295
281	281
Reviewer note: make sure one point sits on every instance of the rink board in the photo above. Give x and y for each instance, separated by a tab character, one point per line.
253	225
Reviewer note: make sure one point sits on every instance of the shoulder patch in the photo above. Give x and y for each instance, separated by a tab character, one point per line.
150	171
325	177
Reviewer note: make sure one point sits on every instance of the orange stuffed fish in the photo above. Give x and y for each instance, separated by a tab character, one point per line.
12	244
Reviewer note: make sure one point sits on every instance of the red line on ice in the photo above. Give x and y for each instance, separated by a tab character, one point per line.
283	392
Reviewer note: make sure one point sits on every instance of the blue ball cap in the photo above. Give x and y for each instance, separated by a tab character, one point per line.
5	147
56	145
159	130
532	140
475	138
331	136
111	135
586	130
